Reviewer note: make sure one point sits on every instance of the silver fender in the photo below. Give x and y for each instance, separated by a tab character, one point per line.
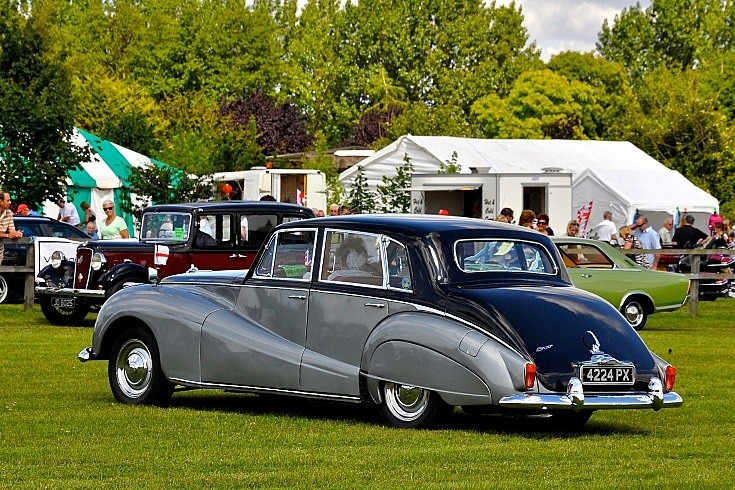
436	353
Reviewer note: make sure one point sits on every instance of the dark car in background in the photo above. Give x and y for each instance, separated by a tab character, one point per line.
16	251
210	236
412	314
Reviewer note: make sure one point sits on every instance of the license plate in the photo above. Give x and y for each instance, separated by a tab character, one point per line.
63	302
607	375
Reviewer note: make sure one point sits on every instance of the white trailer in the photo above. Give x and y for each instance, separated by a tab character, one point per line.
484	195
307	187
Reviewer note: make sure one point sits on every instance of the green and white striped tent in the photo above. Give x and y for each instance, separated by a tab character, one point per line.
104	176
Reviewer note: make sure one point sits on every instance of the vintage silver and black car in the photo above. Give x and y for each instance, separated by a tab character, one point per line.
414	314
210	236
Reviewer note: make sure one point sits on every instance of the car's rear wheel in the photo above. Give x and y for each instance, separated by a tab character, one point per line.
634	312
134	370
63	316
412	407
4	289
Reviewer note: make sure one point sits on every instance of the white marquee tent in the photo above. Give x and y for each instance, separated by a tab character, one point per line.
613	175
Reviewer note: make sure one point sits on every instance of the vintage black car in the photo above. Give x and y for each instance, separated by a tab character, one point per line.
210	236
413	314
16	251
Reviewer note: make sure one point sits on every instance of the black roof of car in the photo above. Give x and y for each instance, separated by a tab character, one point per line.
34	222
215	206
424	224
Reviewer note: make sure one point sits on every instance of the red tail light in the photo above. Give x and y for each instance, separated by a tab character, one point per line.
531	375
670	377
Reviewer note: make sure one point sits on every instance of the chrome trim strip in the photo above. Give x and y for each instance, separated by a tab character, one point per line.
260	389
590	401
84	293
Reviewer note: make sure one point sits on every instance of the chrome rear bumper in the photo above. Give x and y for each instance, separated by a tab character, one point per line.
575	399
70	292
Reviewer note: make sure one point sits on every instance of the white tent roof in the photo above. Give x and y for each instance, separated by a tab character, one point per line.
628	173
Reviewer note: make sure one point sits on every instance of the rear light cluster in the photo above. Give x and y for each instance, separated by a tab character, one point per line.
670	377
530	375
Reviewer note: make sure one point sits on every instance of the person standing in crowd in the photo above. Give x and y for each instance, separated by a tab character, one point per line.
334	209
720	237
344	210
665	232
508	213
7	227
89	215
24	210
68	213
606	230
502	218
527	218
112	226
319	213
687	236
542	224
649	239
630	242
573	228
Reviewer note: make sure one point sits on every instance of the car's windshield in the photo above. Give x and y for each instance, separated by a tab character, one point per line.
493	255
167	226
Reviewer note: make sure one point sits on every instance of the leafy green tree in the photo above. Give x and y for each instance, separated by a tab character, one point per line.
418	118
163	184
684	130
321	160
610	87
391	194
359	198
36	119
541	104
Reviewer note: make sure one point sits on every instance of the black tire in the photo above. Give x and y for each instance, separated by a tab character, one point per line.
4	289
635	314
134	370
64	316
570	420
114	288
411	407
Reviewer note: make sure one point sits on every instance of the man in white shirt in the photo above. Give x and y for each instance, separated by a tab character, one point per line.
68	213
606	230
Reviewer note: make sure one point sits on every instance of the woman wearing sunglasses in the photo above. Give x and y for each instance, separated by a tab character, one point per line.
112	226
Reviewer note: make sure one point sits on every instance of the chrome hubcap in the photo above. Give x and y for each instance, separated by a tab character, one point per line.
406	402
134	368
634	313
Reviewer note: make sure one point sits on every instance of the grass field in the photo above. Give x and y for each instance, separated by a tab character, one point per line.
60	428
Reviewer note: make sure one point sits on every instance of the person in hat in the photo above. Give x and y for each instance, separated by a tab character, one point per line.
24	210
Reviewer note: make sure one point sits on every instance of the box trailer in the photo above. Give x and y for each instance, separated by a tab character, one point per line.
484	195
307	187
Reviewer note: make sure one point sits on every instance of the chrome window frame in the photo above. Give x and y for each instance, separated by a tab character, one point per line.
275	237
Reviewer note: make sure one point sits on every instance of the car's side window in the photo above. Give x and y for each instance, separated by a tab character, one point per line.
255	227
399	272
214	231
352	257
586	256
289	255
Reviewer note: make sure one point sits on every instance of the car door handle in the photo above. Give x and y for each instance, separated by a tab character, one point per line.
375	305
238	256
296	296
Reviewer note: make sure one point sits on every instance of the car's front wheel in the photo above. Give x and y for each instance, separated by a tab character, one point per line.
635	313
134	370
412	407
4	289
59	315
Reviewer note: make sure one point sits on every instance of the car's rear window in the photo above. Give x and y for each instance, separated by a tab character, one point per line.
489	255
